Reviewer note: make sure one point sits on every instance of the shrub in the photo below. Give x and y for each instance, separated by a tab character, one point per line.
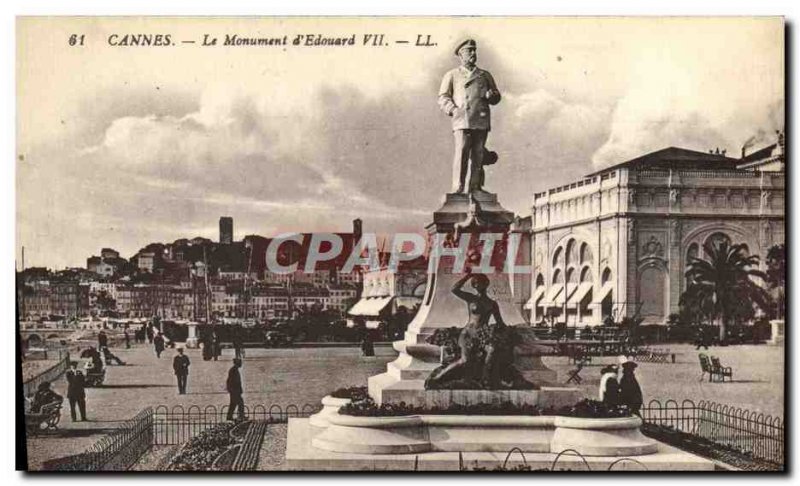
353	393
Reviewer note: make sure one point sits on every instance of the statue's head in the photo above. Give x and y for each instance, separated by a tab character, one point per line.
467	52
480	282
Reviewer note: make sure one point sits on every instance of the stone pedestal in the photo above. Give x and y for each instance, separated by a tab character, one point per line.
778	335
191	340
453	443
405	377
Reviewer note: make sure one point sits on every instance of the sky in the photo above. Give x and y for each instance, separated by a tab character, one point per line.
122	146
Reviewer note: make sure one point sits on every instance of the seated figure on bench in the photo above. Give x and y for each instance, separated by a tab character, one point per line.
44	396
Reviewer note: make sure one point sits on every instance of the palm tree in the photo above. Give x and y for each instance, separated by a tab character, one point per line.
722	286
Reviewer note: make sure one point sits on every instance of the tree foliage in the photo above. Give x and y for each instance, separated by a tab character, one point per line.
722	287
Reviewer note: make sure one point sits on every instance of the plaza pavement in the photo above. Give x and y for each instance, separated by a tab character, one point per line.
304	375
275	376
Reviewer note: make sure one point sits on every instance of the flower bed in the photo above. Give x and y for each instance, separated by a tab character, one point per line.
737	458
366	407
351	393
200	452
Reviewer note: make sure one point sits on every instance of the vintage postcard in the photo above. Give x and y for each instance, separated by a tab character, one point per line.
400	243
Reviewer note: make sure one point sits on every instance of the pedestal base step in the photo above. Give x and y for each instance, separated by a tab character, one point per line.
301	455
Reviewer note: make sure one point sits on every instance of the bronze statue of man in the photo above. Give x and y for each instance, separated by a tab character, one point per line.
465	95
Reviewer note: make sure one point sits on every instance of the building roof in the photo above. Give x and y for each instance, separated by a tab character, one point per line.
676	158
760	154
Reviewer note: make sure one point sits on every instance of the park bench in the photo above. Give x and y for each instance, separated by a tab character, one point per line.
653	355
721	371
49	415
705	366
574	375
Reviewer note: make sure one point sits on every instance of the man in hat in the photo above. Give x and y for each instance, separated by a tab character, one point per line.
158	344
630	393
76	391
465	95
180	364
102	340
609	387
235	389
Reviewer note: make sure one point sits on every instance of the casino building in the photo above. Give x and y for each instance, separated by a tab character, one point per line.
616	243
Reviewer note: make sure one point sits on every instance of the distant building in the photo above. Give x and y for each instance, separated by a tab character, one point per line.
617	242
107	264
69	299
385	291
226	230
341	297
146	261
109	253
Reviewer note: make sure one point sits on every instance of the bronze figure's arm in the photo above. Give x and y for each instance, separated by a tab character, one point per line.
458	290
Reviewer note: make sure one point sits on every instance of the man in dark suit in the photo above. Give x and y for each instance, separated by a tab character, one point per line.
465	95
180	364
76	391
102	340
235	390
238	345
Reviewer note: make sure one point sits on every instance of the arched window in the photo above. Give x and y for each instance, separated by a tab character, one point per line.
586	275
570	253
571	275
540	280
586	254
558	257
606	276
691	253
558	277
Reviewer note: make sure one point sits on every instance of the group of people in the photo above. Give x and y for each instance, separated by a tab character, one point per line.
211	347
233	383
624	390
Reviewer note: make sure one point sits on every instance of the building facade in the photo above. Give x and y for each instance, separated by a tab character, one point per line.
617	242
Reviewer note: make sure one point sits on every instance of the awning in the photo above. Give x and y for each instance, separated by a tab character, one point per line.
358	308
571	288
376	305
536	295
552	294
604	291
583	289
371	306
